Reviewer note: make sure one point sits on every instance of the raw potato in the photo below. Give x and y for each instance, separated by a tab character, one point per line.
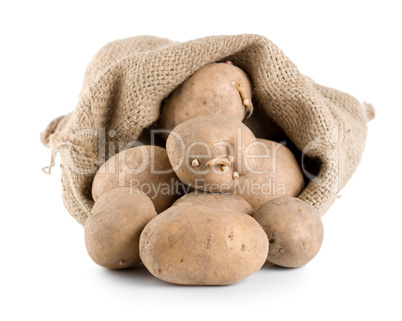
113	229
144	167
294	230
209	152
278	175
196	245
222	202
212	90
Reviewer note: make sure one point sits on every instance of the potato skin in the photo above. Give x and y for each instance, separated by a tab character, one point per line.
112	231
206	138
135	167
294	230
196	245
222	202
209	91
281	176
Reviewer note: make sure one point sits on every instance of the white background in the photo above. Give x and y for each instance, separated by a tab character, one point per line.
46	274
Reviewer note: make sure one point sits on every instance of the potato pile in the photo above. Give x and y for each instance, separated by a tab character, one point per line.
212	203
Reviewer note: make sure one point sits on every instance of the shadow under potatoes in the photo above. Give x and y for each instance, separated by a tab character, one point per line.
137	275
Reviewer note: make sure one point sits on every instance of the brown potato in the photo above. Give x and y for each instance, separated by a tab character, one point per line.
144	167
112	231
222	202
278	174
196	245
210	152
212	90
294	230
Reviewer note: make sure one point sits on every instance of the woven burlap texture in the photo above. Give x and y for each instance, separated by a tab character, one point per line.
127	80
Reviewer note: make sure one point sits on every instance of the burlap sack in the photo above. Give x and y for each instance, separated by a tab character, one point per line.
127	80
